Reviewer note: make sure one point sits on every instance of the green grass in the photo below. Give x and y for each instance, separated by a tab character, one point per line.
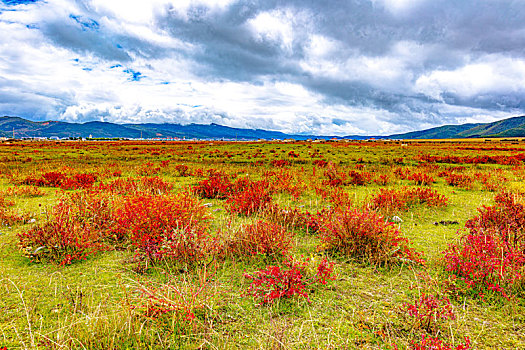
89	305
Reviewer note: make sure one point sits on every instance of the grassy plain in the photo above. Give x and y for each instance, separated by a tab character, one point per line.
90	304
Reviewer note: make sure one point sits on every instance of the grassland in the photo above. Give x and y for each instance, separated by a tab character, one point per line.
98	302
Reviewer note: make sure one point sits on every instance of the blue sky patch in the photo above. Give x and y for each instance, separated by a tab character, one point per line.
135	76
85	23
18	2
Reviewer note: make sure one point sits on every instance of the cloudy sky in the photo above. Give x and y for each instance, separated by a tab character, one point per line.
300	66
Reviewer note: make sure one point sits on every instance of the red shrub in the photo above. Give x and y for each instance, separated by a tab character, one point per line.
421	179
284	181
218	185
8	217
382	180
320	163
491	257
165	227
280	163
25	191
389	201
434	343
78	226
292	154
335	196
359	178
154	185
182	170
261	238
253	198
78	181
291	280
366	236
178	298
459	180
334	176
287	217
120	186
427	311
401	173
53	179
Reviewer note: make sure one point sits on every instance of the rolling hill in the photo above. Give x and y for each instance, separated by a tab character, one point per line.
511	127
24	128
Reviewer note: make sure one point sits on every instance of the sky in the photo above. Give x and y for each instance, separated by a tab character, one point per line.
353	67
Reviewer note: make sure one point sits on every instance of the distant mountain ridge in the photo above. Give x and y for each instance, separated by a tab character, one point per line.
26	128
511	127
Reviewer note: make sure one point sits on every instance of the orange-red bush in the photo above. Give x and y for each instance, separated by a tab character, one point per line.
167	227
261	239
365	236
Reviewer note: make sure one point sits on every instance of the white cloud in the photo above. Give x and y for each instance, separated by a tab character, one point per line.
490	74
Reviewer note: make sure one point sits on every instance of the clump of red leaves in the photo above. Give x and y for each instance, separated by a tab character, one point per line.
389	201
77	227
285	182
24	191
167	227
217	185
249	197
261	239
459	180
334	177
78	181
428	311
359	178
287	281
434	343
287	217
421	179
366	236
280	163
177	298
182	170
491	256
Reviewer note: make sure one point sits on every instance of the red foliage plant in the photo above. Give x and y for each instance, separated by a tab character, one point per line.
459	180
382	180
179	299
334	177
287	217
261	239
78	181
427	311
285	182
167	227
77	227
217	185
182	170
434	343
421	179
359	178
253	197
320	163
365	236
276	282
388	201
280	163
491	256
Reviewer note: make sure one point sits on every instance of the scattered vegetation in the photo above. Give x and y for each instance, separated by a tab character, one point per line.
369	245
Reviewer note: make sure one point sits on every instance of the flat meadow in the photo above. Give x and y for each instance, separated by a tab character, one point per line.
262	245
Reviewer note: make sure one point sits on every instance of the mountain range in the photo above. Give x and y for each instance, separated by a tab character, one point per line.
20	127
